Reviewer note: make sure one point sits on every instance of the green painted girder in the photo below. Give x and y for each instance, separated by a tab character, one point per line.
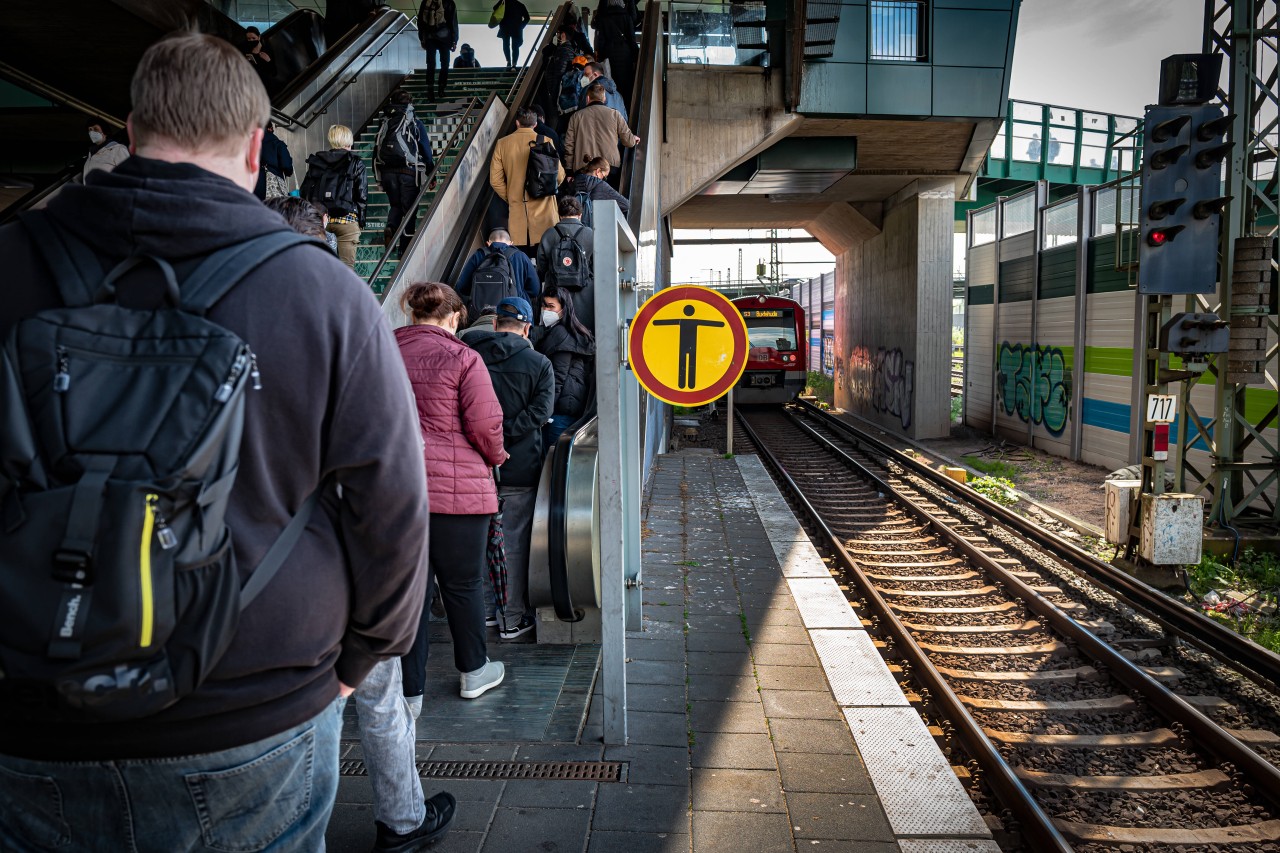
1062	145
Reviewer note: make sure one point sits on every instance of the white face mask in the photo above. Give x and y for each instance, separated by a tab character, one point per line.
584	81
549	317
96	137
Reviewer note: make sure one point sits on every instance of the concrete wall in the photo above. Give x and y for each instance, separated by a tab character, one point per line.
717	117
893	315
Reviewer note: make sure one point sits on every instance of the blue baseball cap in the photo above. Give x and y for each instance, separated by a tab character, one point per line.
516	308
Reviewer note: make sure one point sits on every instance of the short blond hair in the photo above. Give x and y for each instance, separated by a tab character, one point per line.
340	136
197	92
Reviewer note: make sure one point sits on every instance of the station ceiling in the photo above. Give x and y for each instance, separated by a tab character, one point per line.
469	11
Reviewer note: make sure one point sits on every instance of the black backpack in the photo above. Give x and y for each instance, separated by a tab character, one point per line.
542	177
119	444
332	184
397	143
588	214
569	268
493	280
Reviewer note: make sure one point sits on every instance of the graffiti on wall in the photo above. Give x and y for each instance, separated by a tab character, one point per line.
1033	383
882	380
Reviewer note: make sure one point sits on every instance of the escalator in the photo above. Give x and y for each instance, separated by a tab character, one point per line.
78	63
565	566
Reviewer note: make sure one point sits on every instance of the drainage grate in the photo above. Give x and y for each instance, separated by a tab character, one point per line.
584	771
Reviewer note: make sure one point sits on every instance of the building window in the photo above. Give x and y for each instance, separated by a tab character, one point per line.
898	30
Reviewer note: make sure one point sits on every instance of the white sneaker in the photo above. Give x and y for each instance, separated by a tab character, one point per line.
415	706
482	680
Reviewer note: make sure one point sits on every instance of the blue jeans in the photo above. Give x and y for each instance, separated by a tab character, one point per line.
389	743
272	795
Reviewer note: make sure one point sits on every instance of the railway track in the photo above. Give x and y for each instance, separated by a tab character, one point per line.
1088	721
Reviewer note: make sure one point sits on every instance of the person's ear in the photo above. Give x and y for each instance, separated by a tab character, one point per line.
253	153
128	126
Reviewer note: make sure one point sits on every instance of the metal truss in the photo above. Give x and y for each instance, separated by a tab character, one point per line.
1247	34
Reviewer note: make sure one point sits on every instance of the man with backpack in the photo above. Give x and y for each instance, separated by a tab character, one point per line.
211	548
566	259
526	173
402	159
338	179
495	271
438	35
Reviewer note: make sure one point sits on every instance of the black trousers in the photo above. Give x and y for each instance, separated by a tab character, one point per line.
434	50
402	191
457	546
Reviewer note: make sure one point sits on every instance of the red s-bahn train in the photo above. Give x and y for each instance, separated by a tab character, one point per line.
777	362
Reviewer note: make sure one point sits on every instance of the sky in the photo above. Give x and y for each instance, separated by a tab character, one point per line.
1099	55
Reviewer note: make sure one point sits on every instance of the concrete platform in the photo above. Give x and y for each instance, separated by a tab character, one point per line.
761	717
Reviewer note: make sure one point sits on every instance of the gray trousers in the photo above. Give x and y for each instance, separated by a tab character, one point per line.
389	742
517	527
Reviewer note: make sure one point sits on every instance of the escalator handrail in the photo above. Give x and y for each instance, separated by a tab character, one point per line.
474	106
633	173
320	66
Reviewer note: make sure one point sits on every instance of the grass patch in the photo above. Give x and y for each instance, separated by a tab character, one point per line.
746	632
957	409
997	489
821	386
994	467
1256	575
687	563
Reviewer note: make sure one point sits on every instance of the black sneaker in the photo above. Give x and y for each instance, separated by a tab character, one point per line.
525	627
440	810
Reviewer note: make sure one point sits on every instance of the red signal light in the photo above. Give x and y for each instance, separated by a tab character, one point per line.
1161	236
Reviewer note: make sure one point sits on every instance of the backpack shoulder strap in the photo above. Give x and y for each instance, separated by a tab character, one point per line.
75	267
279	550
224	269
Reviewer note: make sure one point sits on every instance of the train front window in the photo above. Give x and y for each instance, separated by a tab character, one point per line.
771	329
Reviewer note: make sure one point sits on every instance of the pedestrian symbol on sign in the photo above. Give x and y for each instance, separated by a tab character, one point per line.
688	345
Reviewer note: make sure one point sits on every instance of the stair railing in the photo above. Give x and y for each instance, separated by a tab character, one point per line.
427	179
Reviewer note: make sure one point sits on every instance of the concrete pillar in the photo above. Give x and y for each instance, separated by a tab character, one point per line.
893	315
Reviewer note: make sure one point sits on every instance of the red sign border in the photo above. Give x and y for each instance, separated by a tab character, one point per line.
660	300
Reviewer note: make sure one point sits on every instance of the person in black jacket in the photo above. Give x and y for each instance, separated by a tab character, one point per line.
438	35
350	593
590	180
525	384
402	177
277	161
338	179
511	29
572	349
615	27
466	58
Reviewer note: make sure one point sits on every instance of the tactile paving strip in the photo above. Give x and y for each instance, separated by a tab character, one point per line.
946	845
857	673
920	794
822	604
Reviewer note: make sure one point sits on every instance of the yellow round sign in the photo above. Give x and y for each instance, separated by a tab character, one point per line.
688	345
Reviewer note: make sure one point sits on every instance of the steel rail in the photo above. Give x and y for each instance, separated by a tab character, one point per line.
1013	794
1218	641
1221	745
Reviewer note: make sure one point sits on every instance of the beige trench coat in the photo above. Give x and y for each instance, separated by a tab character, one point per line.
528	218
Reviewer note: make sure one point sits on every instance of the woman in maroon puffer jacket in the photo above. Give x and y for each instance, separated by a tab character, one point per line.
462	436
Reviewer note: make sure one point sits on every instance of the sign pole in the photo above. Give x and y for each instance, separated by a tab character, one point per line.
729	425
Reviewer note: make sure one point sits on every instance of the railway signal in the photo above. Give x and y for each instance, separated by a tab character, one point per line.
1182	200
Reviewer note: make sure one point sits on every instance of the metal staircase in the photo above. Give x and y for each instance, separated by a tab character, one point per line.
449	122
